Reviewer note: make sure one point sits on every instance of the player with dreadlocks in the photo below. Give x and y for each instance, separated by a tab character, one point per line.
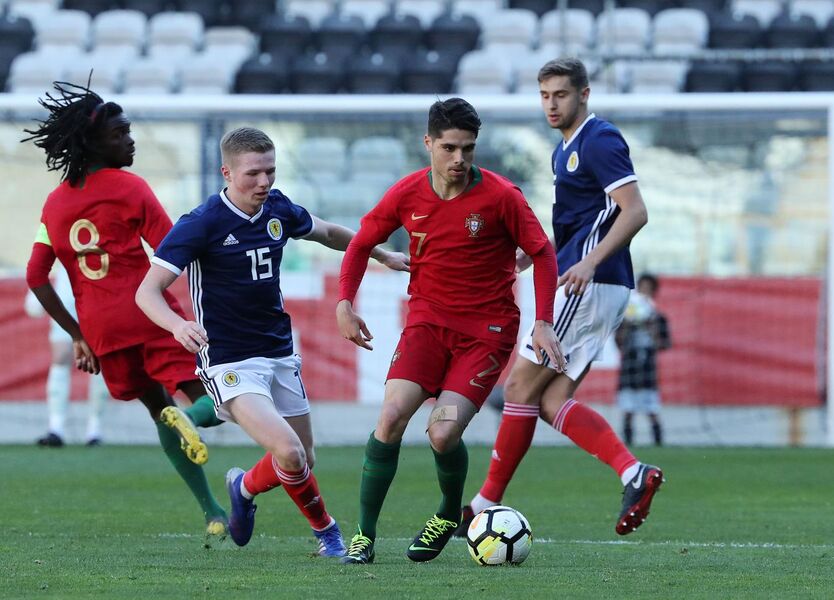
94	223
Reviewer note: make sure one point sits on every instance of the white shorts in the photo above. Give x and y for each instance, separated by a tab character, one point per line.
276	378
639	401
582	324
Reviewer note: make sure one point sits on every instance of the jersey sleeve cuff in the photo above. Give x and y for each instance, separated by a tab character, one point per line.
165	264
312	229
620	183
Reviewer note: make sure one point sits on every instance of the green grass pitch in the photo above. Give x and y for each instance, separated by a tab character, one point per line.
115	522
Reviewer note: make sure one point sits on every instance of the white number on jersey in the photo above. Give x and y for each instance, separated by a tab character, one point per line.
259	259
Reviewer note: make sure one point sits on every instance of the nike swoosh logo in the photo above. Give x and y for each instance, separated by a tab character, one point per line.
472	382
637	482
417	217
414	548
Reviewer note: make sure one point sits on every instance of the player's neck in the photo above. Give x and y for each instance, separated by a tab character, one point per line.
240	203
568	131
446	190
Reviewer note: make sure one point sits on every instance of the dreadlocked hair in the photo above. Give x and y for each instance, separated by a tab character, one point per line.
76	116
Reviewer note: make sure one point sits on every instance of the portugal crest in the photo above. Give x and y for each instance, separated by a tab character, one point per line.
274	229
474	224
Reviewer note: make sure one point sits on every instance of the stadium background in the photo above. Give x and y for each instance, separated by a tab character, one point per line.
730	144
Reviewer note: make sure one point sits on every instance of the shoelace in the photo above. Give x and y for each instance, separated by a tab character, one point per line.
358	544
435	527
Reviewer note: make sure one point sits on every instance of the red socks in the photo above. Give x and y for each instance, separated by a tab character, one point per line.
515	434
301	486
588	430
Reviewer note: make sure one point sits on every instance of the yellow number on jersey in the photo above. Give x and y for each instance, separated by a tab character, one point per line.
421	237
91	247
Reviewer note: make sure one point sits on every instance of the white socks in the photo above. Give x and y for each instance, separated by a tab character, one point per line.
244	492
480	503
630	473
57	397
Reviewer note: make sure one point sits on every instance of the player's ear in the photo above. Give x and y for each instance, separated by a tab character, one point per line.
227	174
427	142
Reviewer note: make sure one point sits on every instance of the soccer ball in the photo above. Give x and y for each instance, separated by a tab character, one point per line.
499	535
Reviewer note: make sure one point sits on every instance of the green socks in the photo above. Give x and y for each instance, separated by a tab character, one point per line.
451	474
377	474
192	474
202	413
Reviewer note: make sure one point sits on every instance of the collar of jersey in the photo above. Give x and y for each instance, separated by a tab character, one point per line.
477	177
237	211
566	143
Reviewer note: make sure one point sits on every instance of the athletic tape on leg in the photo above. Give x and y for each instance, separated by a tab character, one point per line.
446	412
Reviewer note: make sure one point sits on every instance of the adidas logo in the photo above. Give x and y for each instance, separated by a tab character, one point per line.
230	240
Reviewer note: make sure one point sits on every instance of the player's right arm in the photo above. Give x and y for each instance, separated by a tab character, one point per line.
149	298
37	278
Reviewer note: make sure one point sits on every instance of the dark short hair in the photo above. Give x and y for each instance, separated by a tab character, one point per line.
243	140
571	67
651	279
454	113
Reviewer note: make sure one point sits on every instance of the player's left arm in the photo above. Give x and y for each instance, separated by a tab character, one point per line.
155	223
150	299
338	237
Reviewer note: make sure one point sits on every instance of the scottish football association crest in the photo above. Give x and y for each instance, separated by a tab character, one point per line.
274	229
474	223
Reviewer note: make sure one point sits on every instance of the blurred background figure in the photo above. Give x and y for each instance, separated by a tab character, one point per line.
58	382
643	333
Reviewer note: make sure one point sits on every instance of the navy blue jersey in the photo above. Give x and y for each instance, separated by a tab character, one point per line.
586	168
233	265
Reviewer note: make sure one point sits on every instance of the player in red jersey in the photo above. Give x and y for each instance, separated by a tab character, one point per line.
94	223
464	224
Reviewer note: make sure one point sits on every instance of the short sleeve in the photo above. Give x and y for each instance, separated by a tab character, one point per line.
297	221
156	223
607	157
522	223
183	244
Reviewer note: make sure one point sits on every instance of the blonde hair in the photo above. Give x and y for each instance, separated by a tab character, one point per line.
242	140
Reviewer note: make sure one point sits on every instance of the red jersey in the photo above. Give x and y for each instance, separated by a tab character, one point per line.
462	251
96	232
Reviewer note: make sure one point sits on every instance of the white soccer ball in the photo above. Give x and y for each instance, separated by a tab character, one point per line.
499	535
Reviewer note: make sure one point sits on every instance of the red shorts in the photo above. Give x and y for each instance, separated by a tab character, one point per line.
131	371
438	358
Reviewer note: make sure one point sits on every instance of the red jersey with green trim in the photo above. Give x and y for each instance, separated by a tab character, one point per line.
462	250
96	231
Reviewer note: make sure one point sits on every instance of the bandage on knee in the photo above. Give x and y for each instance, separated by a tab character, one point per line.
447	412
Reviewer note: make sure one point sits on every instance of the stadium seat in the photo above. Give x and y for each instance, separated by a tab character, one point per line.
396	35
236	43
65	28
173	28
340	35
313	10
373	157
708	7
316	74
370	11
577	35
16	35
322	158
209	73
213	13
250	13
107	70
713	77
176	54
792	31
373	74
820	10
763	10
453	35
623	31
769	77
36	12
150	76
428	73
485	72
34	72
816	76
679	31
302	193
612	78
513	29
91	7
827	35
540	7
650	6
595	7
287	36
729	31
657	76
425	10
264	74
149	7
120	28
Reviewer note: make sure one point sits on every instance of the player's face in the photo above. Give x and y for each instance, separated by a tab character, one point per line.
250	177
561	101
115	144
452	154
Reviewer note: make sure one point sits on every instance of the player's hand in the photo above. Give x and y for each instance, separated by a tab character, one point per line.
545	343
191	335
396	261
85	359
577	278
522	261
352	327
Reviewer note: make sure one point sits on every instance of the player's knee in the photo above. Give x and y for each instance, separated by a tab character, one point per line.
517	391
311	457
290	457
390	426
444	436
